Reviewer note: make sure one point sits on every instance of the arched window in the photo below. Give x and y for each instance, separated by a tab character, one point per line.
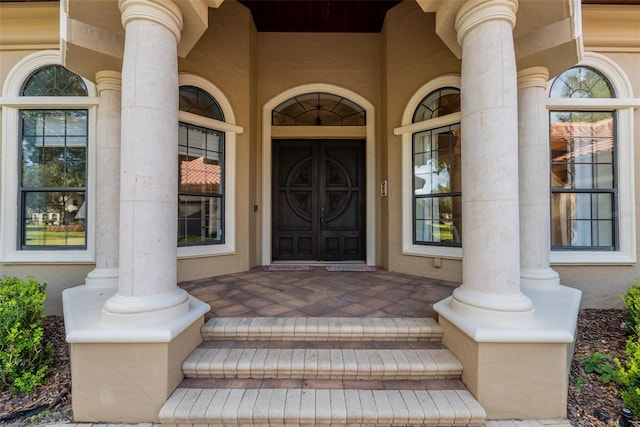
201	165
583	157
437	204
318	109
206	169
591	144
432	198
53	165
54	80
47	163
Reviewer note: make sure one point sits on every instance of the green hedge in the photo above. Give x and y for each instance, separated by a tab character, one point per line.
24	356
629	372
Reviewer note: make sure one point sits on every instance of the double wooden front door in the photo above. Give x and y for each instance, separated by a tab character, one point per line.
318	193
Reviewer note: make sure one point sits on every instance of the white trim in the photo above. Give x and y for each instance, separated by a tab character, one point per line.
371	191
407	130
623	104
9	251
231	130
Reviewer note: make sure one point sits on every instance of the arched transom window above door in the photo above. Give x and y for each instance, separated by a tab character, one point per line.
318	109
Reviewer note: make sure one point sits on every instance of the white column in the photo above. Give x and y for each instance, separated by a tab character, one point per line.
533	140
147	289
107	179
490	212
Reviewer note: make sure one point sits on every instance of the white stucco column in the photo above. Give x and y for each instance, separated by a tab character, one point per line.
533	140
147	288
490	246
107	181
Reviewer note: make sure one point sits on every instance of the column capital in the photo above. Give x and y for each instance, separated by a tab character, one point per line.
108	80
163	12
533	77
475	12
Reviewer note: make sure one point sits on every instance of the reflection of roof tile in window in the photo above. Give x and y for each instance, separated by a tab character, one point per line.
601	134
197	172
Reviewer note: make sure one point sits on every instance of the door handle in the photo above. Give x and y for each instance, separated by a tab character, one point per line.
322	222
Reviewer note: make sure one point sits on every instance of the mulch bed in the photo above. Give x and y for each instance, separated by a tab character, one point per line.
48	403
589	398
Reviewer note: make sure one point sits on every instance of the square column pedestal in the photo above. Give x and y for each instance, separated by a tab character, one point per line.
517	372
124	375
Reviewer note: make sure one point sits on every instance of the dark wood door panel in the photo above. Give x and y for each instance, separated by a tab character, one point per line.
318	200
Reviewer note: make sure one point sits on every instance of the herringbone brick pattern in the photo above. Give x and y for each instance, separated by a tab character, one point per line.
319	293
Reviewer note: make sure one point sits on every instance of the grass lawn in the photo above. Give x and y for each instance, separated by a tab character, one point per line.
38	236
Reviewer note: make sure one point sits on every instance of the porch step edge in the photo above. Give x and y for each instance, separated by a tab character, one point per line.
398	364
295	406
323	328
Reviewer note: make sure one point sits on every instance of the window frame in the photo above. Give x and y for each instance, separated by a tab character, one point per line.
622	107
12	103
23	190
231	130
406	132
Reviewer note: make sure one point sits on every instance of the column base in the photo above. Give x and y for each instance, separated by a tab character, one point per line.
102	278
517	371
133	312
491	308
539	278
124	375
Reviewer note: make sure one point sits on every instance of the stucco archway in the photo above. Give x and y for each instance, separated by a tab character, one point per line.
370	163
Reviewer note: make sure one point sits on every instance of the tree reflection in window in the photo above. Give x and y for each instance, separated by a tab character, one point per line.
54	80
53	178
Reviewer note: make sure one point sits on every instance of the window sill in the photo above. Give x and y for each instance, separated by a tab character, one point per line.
49	257
591	258
433	251
205	251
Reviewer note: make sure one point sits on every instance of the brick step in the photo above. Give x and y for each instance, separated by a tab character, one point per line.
398	364
426	384
335	407
322	329
381	345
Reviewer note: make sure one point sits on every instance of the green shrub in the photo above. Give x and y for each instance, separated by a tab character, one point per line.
629	375
629	372
632	299
24	356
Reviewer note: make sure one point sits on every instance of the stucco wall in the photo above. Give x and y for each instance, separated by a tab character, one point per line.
223	56
350	61
57	277
603	285
414	56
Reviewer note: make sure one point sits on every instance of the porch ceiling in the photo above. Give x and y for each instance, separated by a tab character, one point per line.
360	16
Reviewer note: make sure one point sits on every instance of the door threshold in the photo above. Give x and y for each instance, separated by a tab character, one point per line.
319	263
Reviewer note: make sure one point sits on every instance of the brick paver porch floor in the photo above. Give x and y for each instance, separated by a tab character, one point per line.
319	293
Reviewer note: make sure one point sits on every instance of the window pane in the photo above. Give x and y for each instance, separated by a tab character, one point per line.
53	174
436	161
581	82
582	220
582	150
438	220
54	219
199	219
318	109
197	101
53	158
200	202
54	80
438	103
